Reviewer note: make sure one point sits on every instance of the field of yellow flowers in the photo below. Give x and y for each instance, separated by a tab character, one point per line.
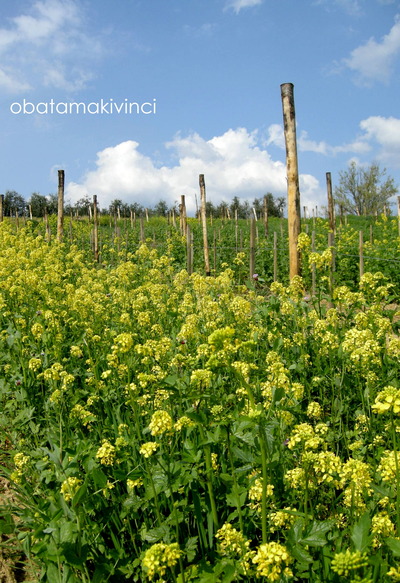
160	426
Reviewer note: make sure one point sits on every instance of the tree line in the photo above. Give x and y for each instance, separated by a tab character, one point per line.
361	190
39	204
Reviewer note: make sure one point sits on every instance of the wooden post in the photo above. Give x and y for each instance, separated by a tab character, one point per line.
131	212
204	223
275	256
60	215
147	215
30	211
236	230
1	208
331	206
361	251
183	216
252	248
332	268
70	227
289	119
95	230
265	216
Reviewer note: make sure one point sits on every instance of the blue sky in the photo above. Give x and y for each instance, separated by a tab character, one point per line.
211	71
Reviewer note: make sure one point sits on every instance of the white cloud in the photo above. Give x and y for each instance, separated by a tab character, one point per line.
374	61
237	5
233	165
304	144
385	131
47	46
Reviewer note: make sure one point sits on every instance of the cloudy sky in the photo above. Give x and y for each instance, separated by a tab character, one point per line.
205	76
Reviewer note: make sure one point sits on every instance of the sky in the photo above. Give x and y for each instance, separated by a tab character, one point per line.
134	99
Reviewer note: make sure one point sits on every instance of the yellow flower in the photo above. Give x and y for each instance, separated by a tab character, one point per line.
387	400
158	557
161	421
272	560
69	488
147	449
106	453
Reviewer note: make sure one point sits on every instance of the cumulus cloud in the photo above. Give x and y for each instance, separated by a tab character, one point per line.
374	61
48	46
238	5
233	164
385	131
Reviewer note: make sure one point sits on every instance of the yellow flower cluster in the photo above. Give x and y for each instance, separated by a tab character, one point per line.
69	487
387	401
272	561
344	563
161	422
159	557
106	453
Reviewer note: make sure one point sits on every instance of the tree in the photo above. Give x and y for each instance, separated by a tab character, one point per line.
364	190
13	202
37	202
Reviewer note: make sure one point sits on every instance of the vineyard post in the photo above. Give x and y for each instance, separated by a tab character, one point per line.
131	219
215	251
361	251
1	208
60	215
204	223
289	119
371	234
331	206
275	256
252	247
30	211
147	215
332	268
95	229
183	216
265	216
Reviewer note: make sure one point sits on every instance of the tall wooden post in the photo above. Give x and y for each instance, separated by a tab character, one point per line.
1	207
60	215
204	223
289	121
95	230
183	217
331	206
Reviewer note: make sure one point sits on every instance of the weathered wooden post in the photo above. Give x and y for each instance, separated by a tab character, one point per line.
95	230
204	223
294	222
331	206
183	216
60	213
1	208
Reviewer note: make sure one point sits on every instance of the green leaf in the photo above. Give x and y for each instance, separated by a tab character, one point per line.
394	546
315	536
360	534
